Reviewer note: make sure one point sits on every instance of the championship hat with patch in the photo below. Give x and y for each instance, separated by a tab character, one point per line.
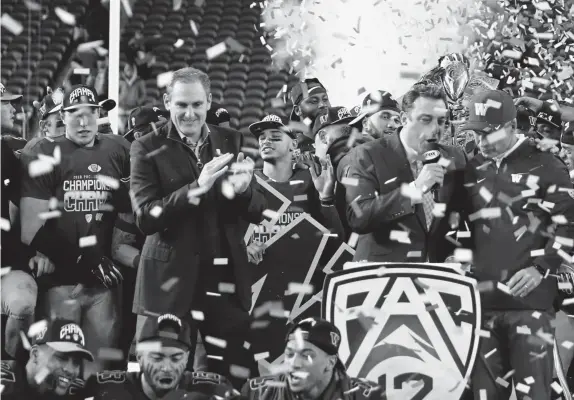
63	336
217	114
271	121
167	329
303	90
84	96
318	332
549	115
332	116
7	96
141	117
489	111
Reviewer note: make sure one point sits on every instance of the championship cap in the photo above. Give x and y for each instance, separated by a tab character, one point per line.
63	336
549	116
217	114
83	95
332	116
141	117
489	111
568	134
383	99
271	121
301	91
525	118
319	332
7	96
167	329
51	102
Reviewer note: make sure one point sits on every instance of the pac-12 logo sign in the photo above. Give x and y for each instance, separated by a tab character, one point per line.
410	327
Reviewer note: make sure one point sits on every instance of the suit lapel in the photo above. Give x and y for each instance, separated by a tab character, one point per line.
398	161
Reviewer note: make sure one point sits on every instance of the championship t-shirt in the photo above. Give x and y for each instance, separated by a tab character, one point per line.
90	185
299	191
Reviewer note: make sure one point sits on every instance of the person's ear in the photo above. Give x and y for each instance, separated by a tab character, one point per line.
331	364
297	110
404	118
293	145
139	357
166	100
34	354
209	100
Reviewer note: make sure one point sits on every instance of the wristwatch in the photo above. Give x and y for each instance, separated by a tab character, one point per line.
544	272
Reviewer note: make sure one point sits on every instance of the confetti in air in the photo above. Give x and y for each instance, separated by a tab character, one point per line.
362	43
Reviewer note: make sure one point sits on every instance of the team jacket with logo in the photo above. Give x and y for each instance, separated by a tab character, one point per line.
121	385
16	387
276	387
89	184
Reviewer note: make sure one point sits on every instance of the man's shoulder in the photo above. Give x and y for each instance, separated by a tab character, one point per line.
113	141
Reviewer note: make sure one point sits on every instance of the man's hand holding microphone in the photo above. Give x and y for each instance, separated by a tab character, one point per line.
432	173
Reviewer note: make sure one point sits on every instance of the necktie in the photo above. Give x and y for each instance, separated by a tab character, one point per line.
428	201
193	146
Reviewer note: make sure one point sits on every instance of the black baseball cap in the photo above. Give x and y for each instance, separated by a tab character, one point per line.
489	111
167	329
271	121
567	136
83	95
548	115
525	118
332	116
141	117
63	336
217	114
319	332
301	91
7	96
381	98
50	104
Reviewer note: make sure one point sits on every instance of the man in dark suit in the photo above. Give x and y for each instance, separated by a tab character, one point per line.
193	205
389	198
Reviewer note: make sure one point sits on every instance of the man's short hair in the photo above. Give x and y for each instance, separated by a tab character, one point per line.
190	75
423	89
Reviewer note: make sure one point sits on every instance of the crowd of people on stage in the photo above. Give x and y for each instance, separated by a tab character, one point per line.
125	273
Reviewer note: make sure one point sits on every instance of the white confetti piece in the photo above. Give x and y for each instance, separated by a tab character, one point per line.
148	346
37	327
40	167
296	288
484	333
261	356
164	79
521	387
556	387
353	239
463	255
349	181
444	162
81	71
564	241
156	211
390	180
491	352
227	189
213	294
411	192
463	234
103	121
5	270
537	253
88	241
225	287
412	254
400	236
216	51
567	344
482	393
502	382
32	5
239	372
523	330
220	261
5	224
215	357
108	181
169	284
302	197
485	194
216	341
197	315
529	380
502	287
246	345
536	314
11	24
65	16
178	43
193	27
496	136
439	210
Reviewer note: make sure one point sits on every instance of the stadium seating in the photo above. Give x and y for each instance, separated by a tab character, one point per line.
246	84
32	59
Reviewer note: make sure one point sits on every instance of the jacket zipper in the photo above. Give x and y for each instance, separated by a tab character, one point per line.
197	160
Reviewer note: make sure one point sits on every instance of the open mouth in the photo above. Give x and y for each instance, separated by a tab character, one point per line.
63	381
298	376
266	148
166	380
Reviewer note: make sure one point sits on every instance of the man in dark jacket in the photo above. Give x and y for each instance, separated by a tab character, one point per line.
313	370
194	260
515	196
389	198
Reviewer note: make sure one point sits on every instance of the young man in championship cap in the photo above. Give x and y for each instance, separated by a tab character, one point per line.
85	177
53	369
509	167
313	369
382	114
163	348
309	98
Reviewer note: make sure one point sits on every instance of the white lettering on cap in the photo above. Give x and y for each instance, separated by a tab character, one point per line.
323	119
72	332
335	339
82	91
222	110
273	118
169	317
343	112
